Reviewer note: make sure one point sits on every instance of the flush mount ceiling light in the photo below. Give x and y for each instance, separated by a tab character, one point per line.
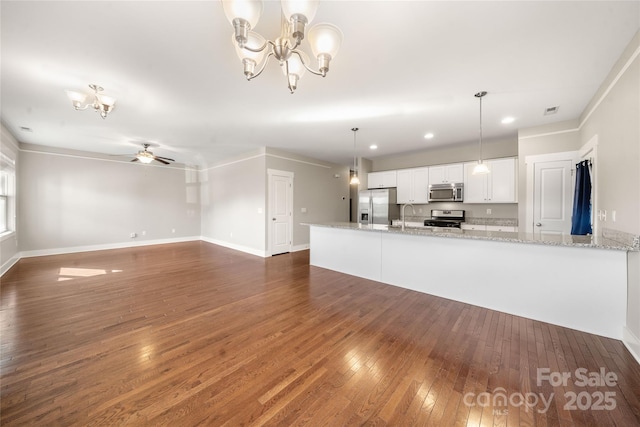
101	103
254	50
480	168
354	178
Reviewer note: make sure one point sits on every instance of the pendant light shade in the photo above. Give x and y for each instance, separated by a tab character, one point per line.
354	177
480	168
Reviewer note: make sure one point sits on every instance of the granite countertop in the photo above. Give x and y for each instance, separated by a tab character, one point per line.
499	236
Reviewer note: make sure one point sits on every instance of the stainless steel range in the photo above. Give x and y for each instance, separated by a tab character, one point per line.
445	218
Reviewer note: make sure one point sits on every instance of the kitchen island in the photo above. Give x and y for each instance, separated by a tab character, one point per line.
577	282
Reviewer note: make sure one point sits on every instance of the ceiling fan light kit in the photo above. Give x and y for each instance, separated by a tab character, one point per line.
146	156
102	104
254	50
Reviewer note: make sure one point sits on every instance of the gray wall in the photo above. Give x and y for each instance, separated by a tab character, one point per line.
463	152
9	243
315	188
69	201
233	203
555	138
614	116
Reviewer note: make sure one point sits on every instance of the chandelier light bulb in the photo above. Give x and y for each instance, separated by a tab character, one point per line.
254	50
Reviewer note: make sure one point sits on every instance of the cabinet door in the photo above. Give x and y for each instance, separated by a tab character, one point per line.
475	186
405	186
437	175
389	179
455	173
384	179
375	180
420	185
502	181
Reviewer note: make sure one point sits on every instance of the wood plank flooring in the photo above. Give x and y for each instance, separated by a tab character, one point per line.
193	334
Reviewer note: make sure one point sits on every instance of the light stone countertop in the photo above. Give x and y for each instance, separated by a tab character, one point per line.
499	236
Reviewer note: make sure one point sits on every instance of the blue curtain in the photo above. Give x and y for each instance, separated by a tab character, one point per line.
581	220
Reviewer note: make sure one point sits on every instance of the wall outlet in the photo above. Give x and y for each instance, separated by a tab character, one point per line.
303	210
488	211
173	230
613	216
144	233
133	235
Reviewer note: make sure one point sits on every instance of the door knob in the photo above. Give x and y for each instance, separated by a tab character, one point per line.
273	219
538	224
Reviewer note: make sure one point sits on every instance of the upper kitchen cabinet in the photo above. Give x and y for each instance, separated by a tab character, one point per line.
446	174
384	179
498	186
413	185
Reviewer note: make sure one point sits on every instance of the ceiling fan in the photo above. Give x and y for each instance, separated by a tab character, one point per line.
146	156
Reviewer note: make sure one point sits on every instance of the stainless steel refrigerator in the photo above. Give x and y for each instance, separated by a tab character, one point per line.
377	206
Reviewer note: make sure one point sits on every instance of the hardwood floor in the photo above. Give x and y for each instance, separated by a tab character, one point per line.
195	334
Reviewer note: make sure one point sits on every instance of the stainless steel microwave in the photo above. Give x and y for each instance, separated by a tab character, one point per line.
446	192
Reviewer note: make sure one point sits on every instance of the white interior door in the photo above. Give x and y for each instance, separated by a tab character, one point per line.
280	211
553	198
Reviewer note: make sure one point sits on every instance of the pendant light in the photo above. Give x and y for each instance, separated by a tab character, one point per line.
354	178
480	168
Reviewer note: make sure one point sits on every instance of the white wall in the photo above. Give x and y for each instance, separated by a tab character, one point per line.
70	202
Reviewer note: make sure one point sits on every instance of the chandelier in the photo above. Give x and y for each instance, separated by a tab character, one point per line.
101	103
254	50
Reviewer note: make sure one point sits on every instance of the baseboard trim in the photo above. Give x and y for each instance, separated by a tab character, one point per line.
632	342
245	249
298	248
91	248
10	263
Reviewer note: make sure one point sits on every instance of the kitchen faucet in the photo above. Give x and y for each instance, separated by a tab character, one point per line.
403	216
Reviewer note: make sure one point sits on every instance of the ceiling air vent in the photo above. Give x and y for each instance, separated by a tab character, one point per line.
551	110
25	129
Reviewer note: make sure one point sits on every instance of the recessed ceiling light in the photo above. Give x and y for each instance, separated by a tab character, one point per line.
428	135
551	110
508	120
373	147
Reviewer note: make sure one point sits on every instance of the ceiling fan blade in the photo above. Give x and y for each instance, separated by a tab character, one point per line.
159	159
135	159
165	158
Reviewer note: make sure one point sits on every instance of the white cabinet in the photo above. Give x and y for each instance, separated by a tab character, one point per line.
501	228
498	186
480	227
483	227
413	185
445	174
385	179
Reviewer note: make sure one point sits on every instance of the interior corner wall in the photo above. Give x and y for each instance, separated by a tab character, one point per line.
68	203
316	189
233	207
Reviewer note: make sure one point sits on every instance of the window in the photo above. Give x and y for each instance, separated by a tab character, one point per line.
7	193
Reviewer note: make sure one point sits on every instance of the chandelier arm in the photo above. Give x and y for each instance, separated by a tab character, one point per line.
264	64
258	50
311	70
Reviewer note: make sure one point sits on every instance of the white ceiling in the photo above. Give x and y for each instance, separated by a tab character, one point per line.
405	68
